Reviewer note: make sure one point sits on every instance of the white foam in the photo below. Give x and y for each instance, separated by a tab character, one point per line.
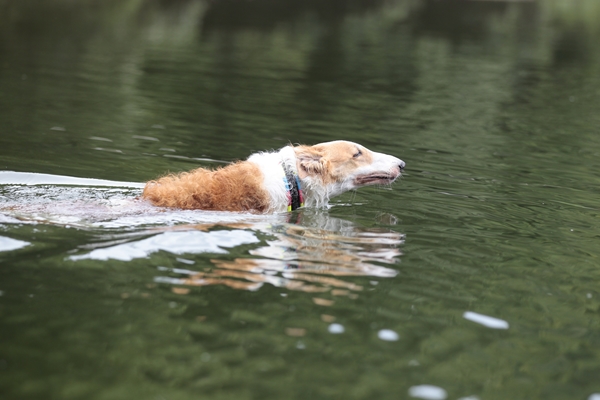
428	392
490	322
8	244
336	329
193	242
31	178
388	335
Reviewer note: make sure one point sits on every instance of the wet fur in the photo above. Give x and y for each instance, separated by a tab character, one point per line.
236	187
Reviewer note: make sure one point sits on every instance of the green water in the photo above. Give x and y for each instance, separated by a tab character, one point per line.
494	106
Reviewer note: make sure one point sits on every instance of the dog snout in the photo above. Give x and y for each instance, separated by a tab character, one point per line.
401	165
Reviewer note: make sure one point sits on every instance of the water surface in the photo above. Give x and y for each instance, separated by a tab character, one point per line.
475	276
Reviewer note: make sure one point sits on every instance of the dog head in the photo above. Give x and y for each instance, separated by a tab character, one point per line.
340	166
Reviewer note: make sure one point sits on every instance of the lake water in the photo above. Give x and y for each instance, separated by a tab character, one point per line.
476	276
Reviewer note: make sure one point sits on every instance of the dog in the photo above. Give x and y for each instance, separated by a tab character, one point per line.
279	181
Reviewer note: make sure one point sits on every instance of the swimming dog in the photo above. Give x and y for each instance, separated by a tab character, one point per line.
278	181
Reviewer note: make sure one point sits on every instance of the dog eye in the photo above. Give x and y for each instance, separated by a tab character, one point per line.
358	154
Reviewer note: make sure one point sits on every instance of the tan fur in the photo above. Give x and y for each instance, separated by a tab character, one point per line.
237	187
332	161
311	161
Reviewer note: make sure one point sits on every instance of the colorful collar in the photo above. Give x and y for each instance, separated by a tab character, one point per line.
294	189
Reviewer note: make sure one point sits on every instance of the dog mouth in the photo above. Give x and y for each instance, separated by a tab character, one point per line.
377	178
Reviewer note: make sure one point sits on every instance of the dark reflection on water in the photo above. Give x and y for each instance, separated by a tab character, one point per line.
267	15
493	104
461	21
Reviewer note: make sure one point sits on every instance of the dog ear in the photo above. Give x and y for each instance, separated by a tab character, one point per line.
310	161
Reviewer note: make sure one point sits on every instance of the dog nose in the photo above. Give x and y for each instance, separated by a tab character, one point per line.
402	165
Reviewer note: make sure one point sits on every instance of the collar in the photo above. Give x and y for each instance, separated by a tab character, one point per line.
293	187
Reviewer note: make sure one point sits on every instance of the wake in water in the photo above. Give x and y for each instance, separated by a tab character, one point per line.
91	203
311	254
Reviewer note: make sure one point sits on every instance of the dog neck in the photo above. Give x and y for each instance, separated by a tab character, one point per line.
293	185
315	194
273	166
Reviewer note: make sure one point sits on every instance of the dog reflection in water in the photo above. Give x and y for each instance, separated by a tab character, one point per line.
315	257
